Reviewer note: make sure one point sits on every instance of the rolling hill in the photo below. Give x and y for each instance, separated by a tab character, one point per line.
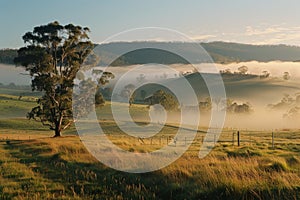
220	52
239	87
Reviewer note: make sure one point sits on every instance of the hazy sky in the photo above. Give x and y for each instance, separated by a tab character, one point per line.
246	21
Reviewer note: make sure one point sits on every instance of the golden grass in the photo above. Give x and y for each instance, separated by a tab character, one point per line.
63	168
35	166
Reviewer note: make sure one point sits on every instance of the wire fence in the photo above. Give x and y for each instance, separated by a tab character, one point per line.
229	137
234	138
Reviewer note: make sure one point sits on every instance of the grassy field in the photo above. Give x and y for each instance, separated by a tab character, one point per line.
35	166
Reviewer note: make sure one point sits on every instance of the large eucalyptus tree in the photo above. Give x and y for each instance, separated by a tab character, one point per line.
52	55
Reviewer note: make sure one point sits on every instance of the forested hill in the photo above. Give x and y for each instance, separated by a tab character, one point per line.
221	52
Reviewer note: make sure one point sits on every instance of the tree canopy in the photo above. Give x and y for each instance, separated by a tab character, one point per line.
167	100
52	55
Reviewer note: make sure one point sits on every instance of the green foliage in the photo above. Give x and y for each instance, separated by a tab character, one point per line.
53	55
167	100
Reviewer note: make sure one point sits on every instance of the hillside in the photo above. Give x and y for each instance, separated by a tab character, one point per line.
244	87
221	52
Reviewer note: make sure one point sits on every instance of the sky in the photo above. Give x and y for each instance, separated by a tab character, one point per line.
243	21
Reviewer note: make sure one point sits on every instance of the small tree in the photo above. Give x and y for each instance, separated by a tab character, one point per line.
243	70
206	105
53	54
128	90
99	99
235	108
167	100
226	71
101	78
264	74
141	78
286	76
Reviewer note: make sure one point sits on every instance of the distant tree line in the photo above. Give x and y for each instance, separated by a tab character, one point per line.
14	86
7	56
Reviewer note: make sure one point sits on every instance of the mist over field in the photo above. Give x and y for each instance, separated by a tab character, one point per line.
276	68
258	93
12	74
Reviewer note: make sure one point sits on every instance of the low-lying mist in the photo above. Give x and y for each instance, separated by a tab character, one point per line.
260	119
258	93
12	74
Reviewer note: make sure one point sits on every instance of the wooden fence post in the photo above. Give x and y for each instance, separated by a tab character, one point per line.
238	137
233	139
273	146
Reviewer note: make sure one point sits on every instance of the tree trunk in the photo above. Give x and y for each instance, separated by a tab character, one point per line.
57	130
57	133
58	127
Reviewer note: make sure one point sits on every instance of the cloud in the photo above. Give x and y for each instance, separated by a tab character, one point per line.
262	34
275	34
250	31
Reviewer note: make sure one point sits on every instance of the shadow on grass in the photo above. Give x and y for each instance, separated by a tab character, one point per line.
96	181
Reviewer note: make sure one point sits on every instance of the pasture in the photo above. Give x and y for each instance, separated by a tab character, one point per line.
35	166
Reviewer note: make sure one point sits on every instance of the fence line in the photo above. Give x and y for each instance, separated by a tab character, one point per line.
235	138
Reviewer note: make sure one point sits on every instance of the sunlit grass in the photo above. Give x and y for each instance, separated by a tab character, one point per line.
62	167
35	166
